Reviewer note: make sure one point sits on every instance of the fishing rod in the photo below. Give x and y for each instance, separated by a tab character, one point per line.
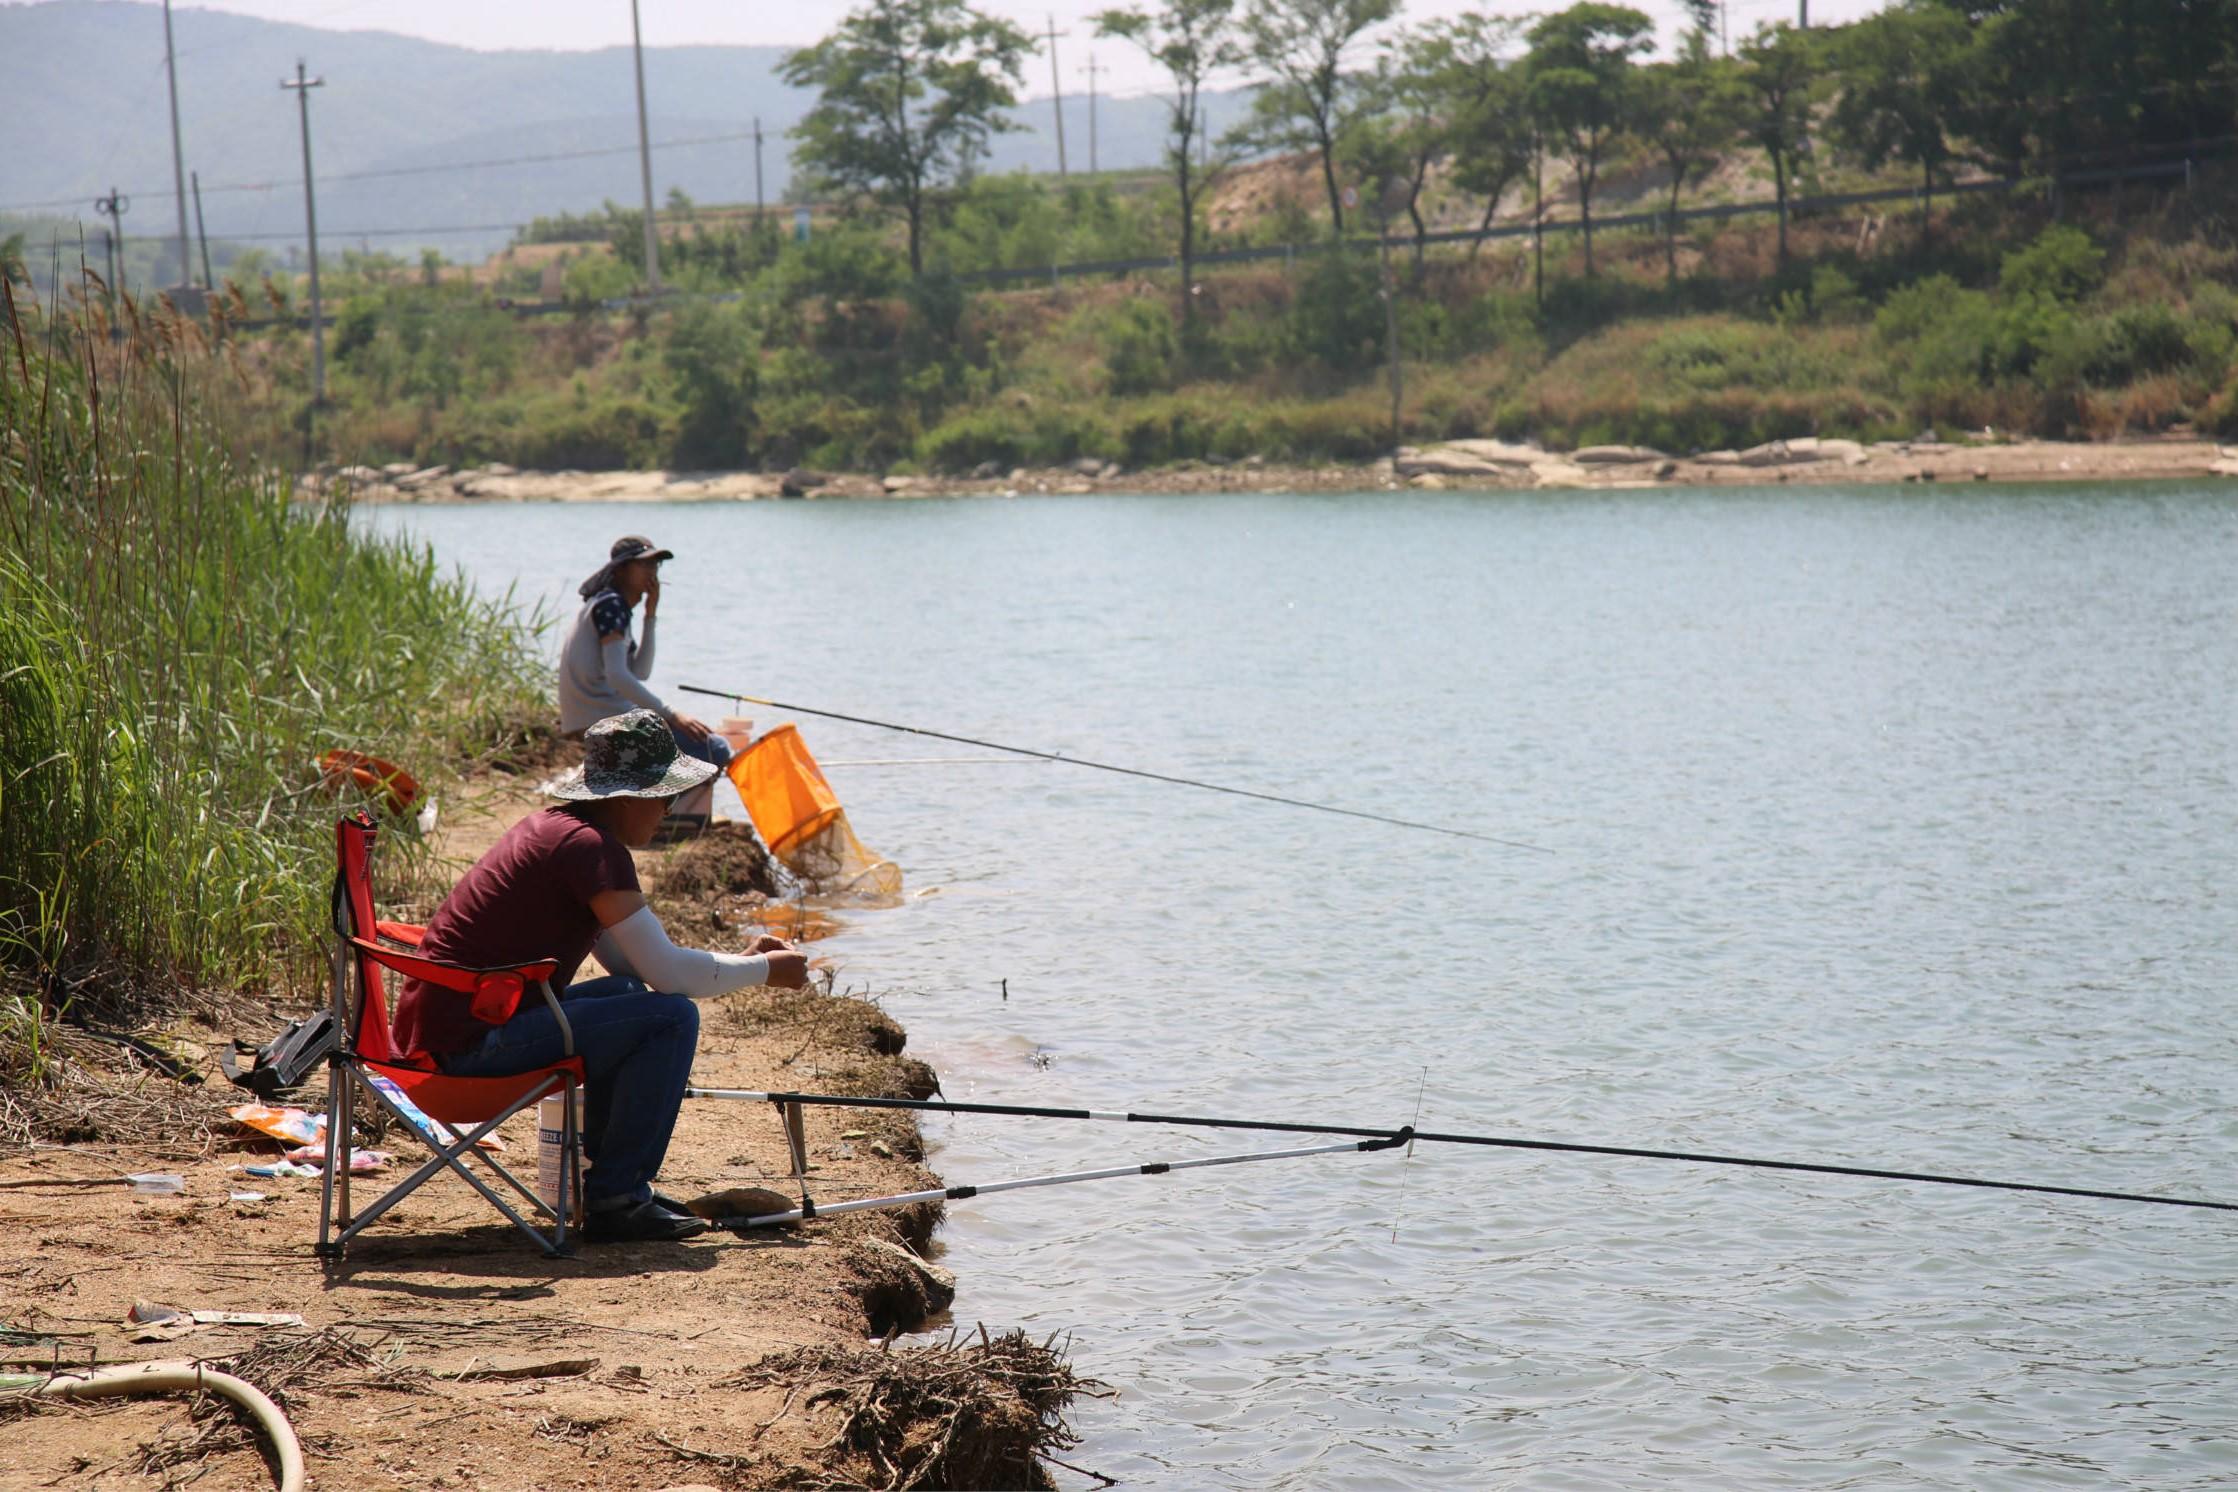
943	1106
809	1209
1076	761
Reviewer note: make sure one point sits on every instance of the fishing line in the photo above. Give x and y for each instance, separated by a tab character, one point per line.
809	1210
1398	1207
942	1106
1053	756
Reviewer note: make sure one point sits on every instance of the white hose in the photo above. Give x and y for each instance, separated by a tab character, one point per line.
187	1377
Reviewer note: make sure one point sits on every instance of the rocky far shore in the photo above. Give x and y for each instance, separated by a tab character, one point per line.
1464	465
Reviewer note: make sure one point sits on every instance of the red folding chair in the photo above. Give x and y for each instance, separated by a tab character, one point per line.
465	1110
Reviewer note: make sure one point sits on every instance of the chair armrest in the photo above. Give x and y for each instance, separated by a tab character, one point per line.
457	977
566	1026
496	992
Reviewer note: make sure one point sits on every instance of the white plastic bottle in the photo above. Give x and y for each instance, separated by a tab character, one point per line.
551	1126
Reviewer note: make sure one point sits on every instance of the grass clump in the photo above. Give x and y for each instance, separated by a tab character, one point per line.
180	640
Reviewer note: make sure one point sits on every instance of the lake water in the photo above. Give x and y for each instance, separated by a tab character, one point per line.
1886	827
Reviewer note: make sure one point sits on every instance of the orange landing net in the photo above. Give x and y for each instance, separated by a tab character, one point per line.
799	818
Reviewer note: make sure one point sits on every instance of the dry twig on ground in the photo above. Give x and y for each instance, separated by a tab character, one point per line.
979	1414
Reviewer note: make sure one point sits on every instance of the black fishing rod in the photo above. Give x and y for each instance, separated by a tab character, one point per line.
809	1209
1076	761
943	1106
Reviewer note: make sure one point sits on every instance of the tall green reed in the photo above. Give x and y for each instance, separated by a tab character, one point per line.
180	639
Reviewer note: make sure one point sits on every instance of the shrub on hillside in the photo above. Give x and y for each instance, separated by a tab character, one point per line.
2062	265
2138	342
1337	318
402	343
1139	347
1433	330
714	362
592	278
555	429
2220	416
1153	432
1016	433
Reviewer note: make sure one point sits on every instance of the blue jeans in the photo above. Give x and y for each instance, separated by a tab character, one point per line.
714	749
636	1045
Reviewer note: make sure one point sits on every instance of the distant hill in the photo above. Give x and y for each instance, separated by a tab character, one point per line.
86	109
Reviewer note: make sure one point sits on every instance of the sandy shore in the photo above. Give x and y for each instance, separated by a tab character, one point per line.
1462	465
447	1353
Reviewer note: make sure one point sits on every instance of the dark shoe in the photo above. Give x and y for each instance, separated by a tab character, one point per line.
642	1222
673	1204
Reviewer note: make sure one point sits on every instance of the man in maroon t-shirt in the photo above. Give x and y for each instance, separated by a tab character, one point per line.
557	885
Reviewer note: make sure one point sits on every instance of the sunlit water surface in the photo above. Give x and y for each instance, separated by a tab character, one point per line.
1884	827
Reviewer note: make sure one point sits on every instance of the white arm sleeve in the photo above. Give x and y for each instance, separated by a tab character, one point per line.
644	946
611	958
641	661
614	653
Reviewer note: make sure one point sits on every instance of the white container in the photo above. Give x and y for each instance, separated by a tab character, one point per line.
551	1127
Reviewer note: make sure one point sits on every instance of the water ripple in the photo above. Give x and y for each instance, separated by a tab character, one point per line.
1889	829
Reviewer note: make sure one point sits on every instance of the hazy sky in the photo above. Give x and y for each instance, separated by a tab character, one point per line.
578	25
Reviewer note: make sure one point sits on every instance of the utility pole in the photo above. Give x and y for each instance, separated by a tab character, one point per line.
645	158
760	212
1803	20
116	205
1057	96
1390	328
202	232
178	153
1538	219
302	87
1091	70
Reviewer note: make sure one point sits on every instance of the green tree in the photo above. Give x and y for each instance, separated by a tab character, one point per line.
1307	97
1412	105
1581	84
1190	40
1904	75
907	93
1688	109
1780	68
1495	138
2061	83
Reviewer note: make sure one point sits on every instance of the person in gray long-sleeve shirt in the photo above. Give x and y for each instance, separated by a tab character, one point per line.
602	672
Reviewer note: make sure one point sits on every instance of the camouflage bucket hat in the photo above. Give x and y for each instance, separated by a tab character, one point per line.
630	756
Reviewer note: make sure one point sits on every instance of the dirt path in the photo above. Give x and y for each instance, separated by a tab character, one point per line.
445	1352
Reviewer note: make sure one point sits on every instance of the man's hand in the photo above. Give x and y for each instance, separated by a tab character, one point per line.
653	594
788	969
770	943
695	729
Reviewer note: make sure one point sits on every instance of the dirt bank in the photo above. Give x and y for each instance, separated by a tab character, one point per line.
446	1353
1466	465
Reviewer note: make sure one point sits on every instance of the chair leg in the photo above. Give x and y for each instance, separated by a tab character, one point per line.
336	1129
453	1156
571	1158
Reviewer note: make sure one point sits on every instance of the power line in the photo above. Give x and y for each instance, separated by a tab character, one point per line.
433	170
375	232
